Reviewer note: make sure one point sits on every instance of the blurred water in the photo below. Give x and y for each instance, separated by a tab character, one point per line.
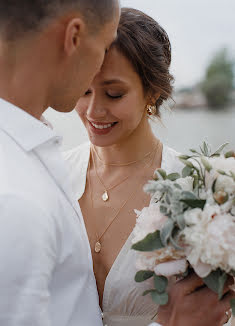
181	129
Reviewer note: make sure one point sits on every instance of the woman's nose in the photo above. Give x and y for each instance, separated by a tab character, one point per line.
96	109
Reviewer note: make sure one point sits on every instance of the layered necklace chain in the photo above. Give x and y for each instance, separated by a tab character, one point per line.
105	196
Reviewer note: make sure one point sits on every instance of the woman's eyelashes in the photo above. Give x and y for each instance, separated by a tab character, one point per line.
114	96
111	95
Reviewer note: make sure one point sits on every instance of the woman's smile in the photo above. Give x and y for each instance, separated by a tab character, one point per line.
101	128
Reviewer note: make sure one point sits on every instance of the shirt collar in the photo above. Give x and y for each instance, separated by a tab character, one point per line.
26	130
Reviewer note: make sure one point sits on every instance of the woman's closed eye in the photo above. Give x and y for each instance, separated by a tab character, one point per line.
114	95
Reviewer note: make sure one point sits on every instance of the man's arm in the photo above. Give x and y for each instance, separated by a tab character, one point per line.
27	259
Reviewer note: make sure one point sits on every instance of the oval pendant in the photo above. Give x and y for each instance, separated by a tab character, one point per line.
98	247
105	196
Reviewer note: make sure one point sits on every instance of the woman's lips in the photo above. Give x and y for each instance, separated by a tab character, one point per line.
101	128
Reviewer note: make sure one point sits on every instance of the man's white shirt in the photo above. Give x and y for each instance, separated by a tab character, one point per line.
46	274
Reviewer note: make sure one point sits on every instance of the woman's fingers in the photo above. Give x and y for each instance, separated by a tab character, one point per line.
225	302
190	284
226	317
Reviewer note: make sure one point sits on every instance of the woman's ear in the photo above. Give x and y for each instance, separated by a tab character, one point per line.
75	30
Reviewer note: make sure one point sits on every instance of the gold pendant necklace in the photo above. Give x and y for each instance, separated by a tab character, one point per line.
98	247
98	244
105	196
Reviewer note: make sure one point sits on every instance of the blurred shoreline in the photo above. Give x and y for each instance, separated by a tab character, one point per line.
181	128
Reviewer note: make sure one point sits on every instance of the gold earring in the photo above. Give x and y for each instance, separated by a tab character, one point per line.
151	109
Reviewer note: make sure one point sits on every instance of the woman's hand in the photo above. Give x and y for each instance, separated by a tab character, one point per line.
191	303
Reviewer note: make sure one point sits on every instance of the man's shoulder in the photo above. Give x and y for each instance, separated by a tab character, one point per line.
20	214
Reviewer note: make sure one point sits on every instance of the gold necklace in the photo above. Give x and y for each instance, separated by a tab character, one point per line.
121	164
98	245
105	196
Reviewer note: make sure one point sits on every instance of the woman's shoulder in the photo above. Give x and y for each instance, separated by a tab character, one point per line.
78	154
170	160
78	160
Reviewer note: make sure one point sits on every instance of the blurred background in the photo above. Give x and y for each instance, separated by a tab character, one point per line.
203	64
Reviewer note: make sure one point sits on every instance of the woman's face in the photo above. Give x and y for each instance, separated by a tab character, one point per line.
113	108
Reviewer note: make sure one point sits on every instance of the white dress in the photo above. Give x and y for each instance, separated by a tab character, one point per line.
123	303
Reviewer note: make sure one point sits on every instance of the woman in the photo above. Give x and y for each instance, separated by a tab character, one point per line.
109	173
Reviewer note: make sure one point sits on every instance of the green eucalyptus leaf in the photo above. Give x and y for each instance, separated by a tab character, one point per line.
160	283
221	172
176	185
212	280
162	173
232	304
142	276
187	171
188	195
150	243
187	163
205	149
195	181
166	231
148	291
222	280
160	298
173	176
194	151
220	149
181	221
194	203
184	157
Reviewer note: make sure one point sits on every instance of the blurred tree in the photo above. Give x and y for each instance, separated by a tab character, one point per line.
218	83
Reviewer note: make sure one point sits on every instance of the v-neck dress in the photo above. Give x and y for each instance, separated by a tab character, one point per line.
123	303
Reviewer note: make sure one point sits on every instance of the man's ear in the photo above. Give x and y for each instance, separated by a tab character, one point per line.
74	31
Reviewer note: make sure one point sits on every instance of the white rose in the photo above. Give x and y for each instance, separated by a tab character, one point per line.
210	239
149	220
171	268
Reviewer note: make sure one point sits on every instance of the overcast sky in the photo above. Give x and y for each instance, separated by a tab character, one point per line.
197	29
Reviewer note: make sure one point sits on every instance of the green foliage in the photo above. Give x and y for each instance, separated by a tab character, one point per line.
159	294
150	243
232	304
160	283
218	83
142	276
216	281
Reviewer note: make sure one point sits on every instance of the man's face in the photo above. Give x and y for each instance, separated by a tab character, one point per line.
84	66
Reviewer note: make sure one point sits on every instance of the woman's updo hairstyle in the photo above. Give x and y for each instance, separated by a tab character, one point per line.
146	45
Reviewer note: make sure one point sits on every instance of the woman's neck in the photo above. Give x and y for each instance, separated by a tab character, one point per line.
134	148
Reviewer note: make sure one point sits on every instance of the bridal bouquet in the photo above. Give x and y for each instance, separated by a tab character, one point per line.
190	224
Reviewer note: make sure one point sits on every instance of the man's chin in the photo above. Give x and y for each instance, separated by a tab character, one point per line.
63	108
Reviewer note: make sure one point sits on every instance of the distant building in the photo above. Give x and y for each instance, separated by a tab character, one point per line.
190	98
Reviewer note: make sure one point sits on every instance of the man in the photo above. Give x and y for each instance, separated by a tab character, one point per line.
50	50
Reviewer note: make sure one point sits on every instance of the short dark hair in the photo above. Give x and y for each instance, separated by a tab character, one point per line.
146	45
21	16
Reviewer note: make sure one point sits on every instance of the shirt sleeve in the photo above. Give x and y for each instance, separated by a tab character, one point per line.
27	259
